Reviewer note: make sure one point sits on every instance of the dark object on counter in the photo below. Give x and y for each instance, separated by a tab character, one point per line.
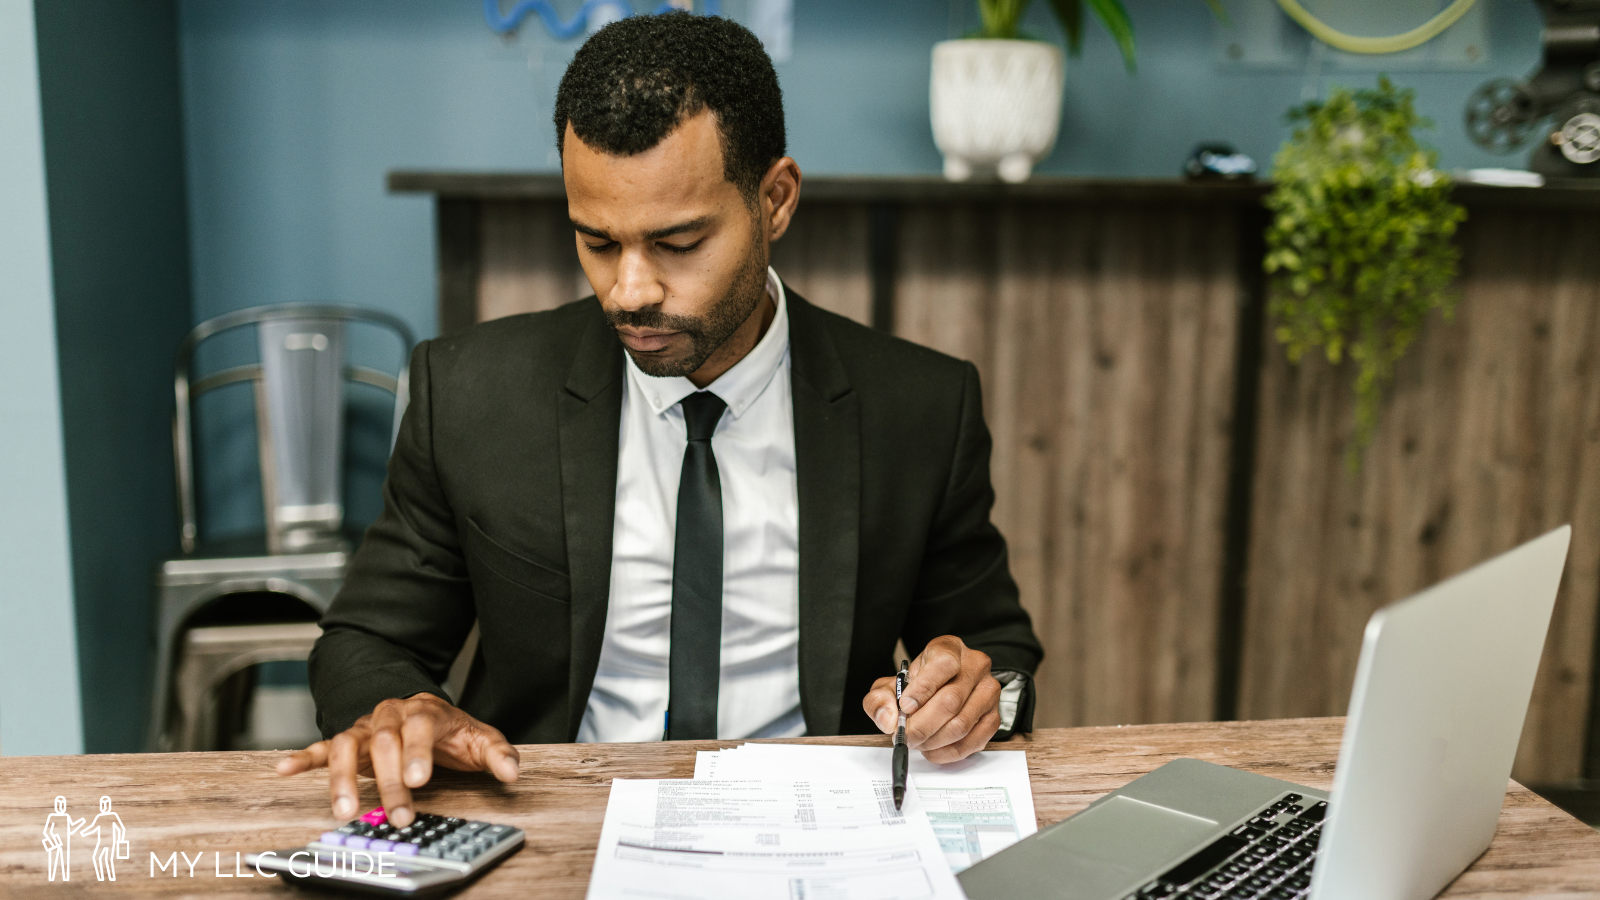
1219	161
1503	114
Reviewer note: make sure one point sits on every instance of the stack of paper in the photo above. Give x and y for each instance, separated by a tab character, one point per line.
977	807
792	820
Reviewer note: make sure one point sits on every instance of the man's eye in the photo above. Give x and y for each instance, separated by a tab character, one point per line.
599	248
681	248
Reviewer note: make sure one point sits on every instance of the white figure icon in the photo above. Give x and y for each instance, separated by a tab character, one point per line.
58	829
107	847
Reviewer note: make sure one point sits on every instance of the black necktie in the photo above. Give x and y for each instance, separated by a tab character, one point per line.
695	664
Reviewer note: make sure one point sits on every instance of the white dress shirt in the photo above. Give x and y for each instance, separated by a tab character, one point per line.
759	693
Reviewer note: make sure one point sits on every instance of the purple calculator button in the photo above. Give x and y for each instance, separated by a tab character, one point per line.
405	849
332	837
356	841
381	846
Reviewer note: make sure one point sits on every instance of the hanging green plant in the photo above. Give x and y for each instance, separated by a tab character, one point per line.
1360	248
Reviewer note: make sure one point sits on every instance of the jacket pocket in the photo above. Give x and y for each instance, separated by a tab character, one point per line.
484	552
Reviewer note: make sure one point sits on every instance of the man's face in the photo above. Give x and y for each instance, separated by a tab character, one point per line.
676	256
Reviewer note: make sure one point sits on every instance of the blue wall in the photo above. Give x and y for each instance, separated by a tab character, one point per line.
108	81
296	109
39	697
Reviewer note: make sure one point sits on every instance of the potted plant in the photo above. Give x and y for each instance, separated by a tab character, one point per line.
1360	248
995	95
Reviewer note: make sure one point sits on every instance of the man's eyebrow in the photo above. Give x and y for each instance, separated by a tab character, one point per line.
590	231
694	224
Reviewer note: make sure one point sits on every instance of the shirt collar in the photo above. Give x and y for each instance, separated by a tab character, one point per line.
741	385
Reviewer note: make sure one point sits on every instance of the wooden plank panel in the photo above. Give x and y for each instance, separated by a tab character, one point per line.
529	260
529	263
1106	342
1491	435
824	257
457	241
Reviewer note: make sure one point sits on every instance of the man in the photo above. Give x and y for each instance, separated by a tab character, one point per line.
692	505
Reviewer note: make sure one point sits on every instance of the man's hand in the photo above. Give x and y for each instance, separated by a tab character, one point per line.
952	703
404	736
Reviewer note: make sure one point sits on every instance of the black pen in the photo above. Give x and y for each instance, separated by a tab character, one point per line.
900	752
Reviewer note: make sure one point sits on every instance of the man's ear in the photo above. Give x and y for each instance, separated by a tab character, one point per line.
779	195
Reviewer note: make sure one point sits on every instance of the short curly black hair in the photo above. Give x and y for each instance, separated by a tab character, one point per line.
637	79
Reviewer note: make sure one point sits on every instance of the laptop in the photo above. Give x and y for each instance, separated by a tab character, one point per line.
1441	691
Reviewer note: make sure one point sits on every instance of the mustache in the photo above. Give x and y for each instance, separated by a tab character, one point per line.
653	319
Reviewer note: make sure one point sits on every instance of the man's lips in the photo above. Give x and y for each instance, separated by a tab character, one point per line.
645	340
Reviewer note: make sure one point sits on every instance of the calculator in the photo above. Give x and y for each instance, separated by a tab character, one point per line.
433	855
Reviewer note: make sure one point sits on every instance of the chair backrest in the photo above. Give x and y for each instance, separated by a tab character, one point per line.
298	379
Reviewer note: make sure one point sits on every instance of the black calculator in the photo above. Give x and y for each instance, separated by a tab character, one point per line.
433	855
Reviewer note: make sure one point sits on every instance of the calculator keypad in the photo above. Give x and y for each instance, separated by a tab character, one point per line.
429	836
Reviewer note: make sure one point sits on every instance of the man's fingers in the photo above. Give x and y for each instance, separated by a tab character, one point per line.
469	745
504	762
417	739
936	714
312	757
937	664
343	751
878	704
398	744
387	752
983	699
975	740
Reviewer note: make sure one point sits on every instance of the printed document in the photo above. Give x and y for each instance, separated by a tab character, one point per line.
977	807
766	840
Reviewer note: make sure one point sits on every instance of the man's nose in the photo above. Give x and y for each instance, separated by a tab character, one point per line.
638	284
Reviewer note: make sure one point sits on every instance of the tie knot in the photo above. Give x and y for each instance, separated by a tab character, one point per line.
701	412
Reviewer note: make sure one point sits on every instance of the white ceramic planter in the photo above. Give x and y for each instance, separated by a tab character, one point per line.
996	105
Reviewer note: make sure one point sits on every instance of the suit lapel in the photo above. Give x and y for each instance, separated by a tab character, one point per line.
827	434
589	411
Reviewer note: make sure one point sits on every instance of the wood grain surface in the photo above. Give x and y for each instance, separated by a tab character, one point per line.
1106	341
214	805
1490	437
524	258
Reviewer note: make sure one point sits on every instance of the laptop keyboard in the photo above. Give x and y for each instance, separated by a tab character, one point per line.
1269	857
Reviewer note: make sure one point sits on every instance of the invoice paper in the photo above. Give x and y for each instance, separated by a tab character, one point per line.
765	840
978	806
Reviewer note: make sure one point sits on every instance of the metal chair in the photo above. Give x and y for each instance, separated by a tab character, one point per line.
299	394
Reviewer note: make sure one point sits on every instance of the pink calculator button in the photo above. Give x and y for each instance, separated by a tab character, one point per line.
376	817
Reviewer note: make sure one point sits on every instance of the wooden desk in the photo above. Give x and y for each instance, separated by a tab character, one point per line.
223	803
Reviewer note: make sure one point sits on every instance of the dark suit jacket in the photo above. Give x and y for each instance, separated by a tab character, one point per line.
499	507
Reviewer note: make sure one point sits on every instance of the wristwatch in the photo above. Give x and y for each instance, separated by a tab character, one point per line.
1016	703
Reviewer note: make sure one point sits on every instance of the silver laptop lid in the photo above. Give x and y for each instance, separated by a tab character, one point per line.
1427	752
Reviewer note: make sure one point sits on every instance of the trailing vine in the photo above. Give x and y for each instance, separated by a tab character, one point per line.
1360	248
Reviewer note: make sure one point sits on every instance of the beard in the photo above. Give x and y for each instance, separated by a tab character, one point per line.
706	333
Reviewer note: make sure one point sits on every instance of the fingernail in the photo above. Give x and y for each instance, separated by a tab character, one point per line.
283	766
400	816
886	721
908	705
344	808
414	774
509	767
